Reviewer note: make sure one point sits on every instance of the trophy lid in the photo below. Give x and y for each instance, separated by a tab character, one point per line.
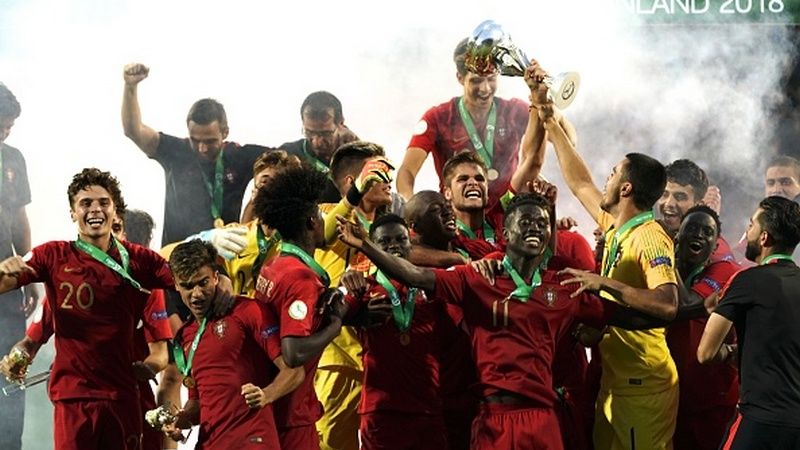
489	50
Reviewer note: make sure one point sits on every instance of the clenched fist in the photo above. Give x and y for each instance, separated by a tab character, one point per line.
134	73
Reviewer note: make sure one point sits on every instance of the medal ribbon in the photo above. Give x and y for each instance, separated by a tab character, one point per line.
523	290
291	249
185	365
776	257
318	164
264	245
485	149
488	231
616	240
402	313
215	190
694	273
108	261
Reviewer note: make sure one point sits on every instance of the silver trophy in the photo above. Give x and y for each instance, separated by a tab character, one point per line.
490	50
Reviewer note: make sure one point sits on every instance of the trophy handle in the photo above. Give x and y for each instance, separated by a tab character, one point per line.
562	88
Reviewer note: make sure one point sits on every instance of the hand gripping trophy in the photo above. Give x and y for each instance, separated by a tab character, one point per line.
490	50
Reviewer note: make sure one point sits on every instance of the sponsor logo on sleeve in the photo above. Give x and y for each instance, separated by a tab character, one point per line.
269	331
159	315
661	261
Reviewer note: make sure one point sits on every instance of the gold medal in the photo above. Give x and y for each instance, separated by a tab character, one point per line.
189	382
492	174
218	223
405	339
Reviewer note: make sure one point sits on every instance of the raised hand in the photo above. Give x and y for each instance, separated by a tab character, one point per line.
488	268
352	234
229	241
134	73
377	170
15	266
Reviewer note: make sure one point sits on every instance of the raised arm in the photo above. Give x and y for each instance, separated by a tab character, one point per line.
431	257
573	168
10	270
394	267
407	173
143	136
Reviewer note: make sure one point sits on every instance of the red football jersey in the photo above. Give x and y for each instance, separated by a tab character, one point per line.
291	290
441	133
514	342
574	247
234	350
703	386
479	247
401	375
95	312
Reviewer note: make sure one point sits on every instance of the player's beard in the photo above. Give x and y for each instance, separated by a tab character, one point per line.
752	250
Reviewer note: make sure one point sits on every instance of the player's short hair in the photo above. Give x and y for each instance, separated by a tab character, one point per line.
275	158
317	104
349	158
418	204
207	111
780	161
386	219
96	177
686	172
290	199
706	210
459	54
528	198
648	177
464	157
138	227
9	106
189	257
781	219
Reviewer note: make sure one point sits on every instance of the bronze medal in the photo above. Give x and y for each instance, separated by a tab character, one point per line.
189	382
218	223
405	339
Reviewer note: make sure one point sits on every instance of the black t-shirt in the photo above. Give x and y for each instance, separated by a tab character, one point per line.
763	303
187	206
331	193
15	192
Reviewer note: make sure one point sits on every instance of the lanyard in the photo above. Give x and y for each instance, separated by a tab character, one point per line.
402	312
264	245
318	164
613	250
485	149
776	257
488	231
291	249
693	274
215	190
364	222
523	290
109	262
185	365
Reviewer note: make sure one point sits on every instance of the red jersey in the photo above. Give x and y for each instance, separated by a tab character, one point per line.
95	312
441	132
291	290
478	247
574	247
234	350
514	342
723	251
703	386
397	376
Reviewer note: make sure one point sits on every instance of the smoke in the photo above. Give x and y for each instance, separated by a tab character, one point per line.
706	92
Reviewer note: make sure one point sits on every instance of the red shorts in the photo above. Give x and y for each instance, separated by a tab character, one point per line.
396	431
702	430
515	427
299	438
575	423
97	424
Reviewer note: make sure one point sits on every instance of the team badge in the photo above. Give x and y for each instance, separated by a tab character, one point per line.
298	310
229	176
550	297
420	128
661	261
501	132
219	328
